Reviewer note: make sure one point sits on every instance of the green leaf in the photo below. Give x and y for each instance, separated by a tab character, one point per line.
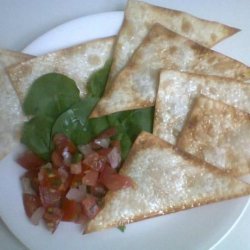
97	81
98	125
73	122
122	228
139	120
50	95
126	143
77	157
36	135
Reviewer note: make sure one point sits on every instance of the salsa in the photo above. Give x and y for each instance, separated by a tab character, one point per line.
72	185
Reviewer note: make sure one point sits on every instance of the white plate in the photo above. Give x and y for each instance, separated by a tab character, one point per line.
198	228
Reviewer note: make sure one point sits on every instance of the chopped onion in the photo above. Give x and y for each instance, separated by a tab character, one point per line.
114	157
26	185
82	188
85	149
67	157
47	165
77	194
37	215
103	142
76	168
63	173
42	169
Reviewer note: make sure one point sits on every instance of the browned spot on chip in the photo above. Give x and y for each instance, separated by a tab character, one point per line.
213	37
26	69
94	59
186	26
172	50
211	60
193	122
199	49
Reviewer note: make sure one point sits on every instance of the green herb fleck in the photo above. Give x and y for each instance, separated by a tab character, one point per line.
122	228
77	157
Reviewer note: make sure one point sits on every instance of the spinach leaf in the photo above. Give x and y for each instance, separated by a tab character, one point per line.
129	124
98	79
50	95
139	120
36	135
73	121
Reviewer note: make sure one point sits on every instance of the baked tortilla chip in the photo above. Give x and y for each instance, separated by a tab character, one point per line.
219	134
10	109
176	181
140	17
177	92
136	85
77	62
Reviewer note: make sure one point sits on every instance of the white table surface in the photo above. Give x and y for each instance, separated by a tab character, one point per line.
21	21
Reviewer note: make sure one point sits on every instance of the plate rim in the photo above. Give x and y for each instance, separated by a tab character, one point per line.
30	47
61	26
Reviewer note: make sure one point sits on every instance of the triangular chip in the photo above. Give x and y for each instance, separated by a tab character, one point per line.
77	62
10	109
166	181
136	85
177	92
219	134
140	17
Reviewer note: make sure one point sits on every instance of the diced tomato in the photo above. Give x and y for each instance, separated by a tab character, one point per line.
76	168
85	167
63	143
49	196
107	170
90	178
30	161
31	203
33	176
107	133
114	181
65	180
98	190
57	159
71	210
76	180
95	161
116	144
72	186
97	143
82	219
57	179
90	206
104	151
52	217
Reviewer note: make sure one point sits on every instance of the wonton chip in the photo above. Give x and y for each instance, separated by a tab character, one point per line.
136	85
77	62
10	108
219	134
176	181
177	92
140	17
